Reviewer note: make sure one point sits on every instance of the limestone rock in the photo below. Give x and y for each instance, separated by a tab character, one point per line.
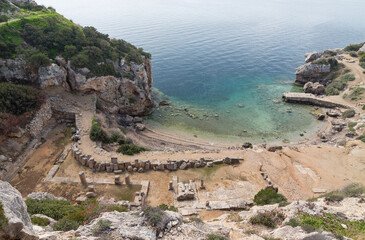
315	88
19	225
311	72
44	195
52	75
310	57
14	70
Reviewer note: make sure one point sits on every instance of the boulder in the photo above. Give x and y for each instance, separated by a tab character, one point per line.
362	49
334	113
44	195
18	225
52	75
165	103
315	88
310	57
311	72
247	145
274	148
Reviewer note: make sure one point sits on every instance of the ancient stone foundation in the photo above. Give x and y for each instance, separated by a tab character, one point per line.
141	166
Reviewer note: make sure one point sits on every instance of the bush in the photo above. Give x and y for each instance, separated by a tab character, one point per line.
3	218
4	18
56	209
362	137
65	225
18	99
130	149
268	196
349	113
333	224
97	133
356	93
39	60
353	47
334	198
268	219
362	58
353	54
196	219
362	64
164	207
40	221
154	216
102	226
293	222
215	237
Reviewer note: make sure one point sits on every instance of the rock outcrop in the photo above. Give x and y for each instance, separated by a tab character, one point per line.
362	49
123	95
315	88
311	72
18	225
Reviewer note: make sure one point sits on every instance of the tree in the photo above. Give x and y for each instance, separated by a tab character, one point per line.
39	60
69	51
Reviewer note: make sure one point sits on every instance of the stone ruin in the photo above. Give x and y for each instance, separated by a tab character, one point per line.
185	191
141	166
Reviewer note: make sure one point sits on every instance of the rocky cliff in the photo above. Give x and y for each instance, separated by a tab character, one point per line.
40	47
115	94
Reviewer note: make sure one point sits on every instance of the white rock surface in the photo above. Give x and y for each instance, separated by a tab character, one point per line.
19	225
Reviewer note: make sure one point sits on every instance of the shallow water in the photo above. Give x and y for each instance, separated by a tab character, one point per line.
210	55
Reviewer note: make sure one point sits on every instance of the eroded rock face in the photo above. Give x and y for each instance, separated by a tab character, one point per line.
52	75
311	72
115	94
19	225
315	88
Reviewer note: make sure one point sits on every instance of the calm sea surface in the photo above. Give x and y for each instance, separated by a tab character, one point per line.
226	61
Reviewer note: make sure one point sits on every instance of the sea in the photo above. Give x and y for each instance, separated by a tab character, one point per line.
224	64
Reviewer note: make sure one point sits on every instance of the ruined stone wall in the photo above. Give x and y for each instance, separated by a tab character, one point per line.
43	115
142	166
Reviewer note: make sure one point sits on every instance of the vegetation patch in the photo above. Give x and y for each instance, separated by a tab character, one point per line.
349	113
351	126
3	219
154	216
351	190
195	219
333	224
215	237
130	149
268	219
338	85
353	47
69	216
164	207
102	226
362	137
268	196
356	93
40	221
97	133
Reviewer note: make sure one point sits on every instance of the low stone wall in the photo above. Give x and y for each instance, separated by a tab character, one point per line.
40	119
307	98
145	165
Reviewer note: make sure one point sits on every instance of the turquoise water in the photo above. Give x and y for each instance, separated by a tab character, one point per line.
209	56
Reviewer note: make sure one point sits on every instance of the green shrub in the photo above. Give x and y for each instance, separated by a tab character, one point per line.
349	113
293	222
268	196
353	54
356	93
351	190
334	198
164	207
97	133
362	64
127	75
40	221
56	209
102	226
215	237
3	219
353	47
361	137
154	215
3	18
18	99
130	149
363	107
340	84
65	225
268	219
362	58
333	224
117	137
196	219
351	126
39	60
